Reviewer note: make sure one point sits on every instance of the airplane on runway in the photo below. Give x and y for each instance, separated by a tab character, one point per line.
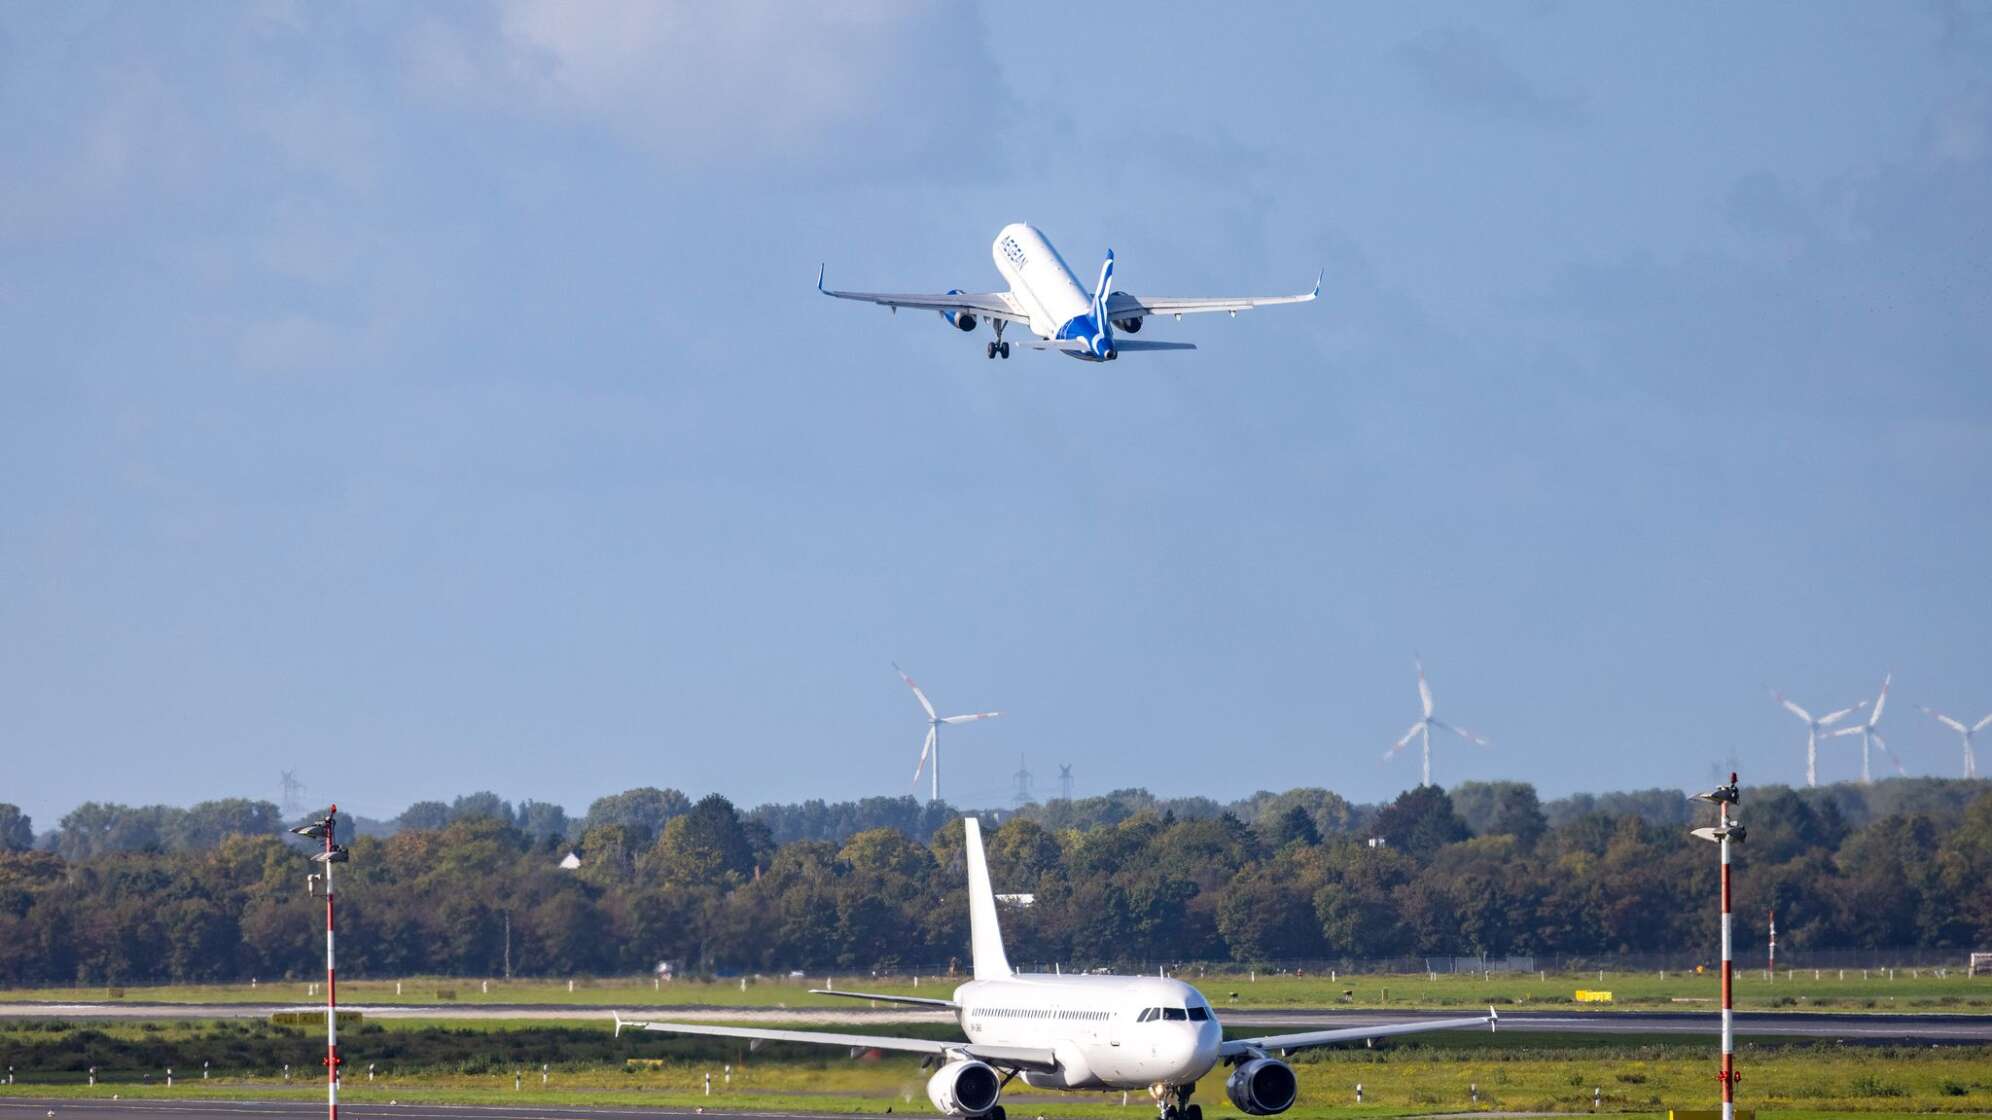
1078	1032
1047	300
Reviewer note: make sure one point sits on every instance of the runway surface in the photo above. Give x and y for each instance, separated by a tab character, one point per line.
1852	1025
28	1108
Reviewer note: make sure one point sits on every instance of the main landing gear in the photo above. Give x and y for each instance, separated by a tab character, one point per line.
999	348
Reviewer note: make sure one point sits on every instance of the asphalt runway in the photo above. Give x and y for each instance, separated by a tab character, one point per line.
25	1108
1865	1026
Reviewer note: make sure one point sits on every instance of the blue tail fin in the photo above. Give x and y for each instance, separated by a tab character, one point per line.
1104	289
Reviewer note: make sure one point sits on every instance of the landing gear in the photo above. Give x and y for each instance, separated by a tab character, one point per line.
998	348
997	1113
990	351
1174	1103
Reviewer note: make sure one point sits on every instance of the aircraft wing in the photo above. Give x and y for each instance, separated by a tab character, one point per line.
1005	1057
1305	1039
995	305
917	1001
1127	305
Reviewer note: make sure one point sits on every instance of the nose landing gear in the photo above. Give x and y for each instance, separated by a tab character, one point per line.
1173	1102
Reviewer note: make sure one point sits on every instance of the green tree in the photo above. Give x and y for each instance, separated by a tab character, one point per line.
17	832
647	810
1264	916
1421	821
706	846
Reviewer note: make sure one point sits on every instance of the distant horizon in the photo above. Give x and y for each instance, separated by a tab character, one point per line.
576	813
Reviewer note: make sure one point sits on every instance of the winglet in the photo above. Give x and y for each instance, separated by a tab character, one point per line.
819	276
1315	294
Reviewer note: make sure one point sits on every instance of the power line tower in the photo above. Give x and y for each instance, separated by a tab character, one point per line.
1023	778
1064	781
293	793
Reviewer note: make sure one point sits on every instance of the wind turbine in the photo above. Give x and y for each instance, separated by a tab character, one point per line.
1868	734
1424	727
933	744
1812	729
1966	733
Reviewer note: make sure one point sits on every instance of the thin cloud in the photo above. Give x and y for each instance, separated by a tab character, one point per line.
753	86
1461	68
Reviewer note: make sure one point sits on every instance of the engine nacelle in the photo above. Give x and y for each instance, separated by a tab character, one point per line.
1262	1087
965	1088
1128	326
962	320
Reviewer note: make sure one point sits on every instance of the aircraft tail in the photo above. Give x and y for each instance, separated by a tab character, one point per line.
985	936
1102	290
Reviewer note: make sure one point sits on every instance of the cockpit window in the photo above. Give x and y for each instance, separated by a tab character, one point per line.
1175	1014
1199	1014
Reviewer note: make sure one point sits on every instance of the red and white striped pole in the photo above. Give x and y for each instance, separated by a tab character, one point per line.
1724	831
331	982
1730	1045
326	829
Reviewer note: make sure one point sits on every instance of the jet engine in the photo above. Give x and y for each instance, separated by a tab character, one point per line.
970	1088
1128	326
962	320
1262	1087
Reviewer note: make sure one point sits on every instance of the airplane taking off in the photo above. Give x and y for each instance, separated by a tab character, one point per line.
1078	1032
1046	298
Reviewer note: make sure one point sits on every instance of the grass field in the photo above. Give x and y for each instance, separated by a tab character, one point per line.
1828	990
588	1066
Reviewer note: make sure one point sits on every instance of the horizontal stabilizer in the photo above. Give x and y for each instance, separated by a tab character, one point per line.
1072	345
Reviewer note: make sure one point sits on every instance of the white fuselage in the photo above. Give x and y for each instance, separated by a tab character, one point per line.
1109	1032
1040	282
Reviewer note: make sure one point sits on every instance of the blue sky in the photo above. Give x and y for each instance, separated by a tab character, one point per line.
442	391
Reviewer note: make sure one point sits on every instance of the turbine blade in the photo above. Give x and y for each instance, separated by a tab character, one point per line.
1462	733
1955	725
919	695
926	749
1406	741
1834	717
1883	744
1880	699
970	718
1980	725
1854	730
1424	690
1795	709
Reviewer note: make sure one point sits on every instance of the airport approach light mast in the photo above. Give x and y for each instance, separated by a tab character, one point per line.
326	828
1725	830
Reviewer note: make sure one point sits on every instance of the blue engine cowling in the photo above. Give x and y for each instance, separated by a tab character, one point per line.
1262	1087
962	320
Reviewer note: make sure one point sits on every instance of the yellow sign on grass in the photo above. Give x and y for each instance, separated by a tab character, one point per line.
1586	996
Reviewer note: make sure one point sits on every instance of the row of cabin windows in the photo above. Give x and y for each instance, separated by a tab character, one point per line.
1174	1014
1042	1013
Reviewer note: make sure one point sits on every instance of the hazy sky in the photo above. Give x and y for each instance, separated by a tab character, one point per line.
435	398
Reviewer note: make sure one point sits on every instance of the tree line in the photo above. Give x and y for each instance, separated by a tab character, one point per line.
1487	869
